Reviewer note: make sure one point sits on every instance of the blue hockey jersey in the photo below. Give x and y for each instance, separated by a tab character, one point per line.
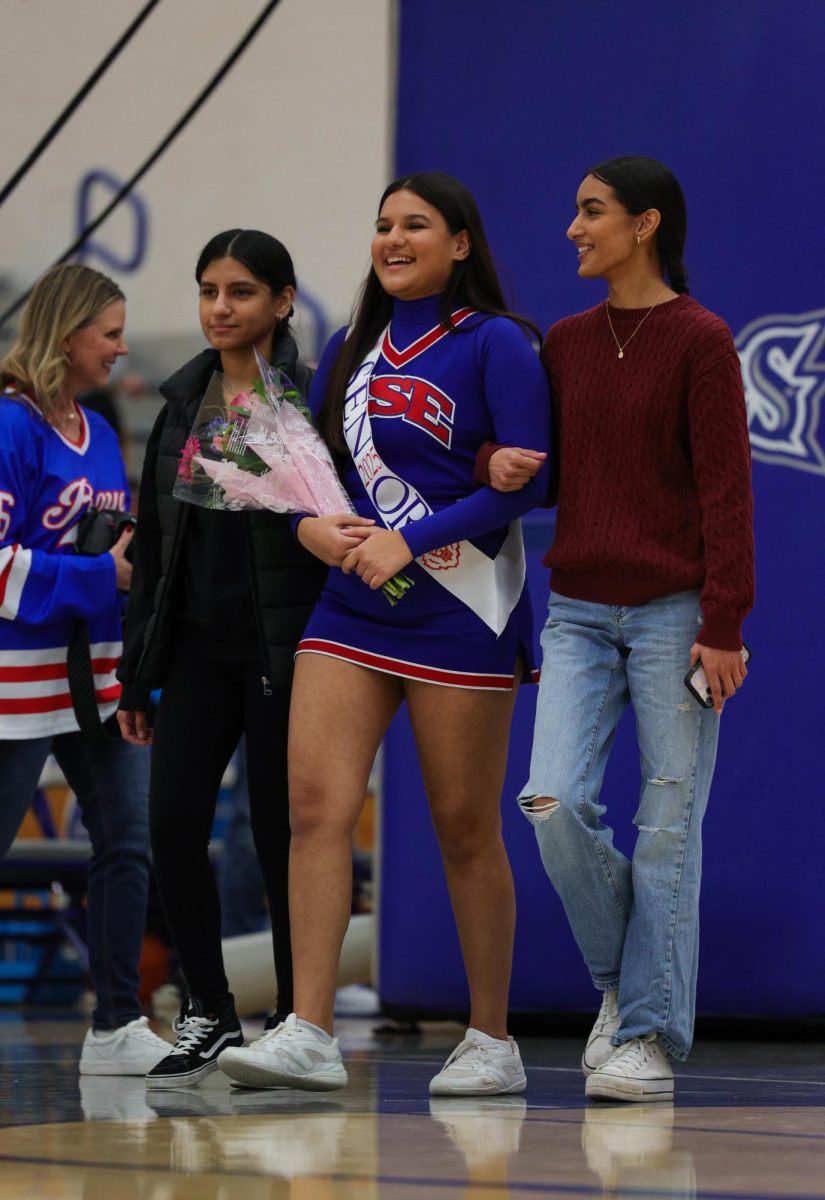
47	483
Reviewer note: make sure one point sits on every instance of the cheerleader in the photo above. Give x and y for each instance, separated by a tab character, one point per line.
432	365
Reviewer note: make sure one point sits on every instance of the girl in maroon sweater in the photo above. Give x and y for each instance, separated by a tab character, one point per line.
652	569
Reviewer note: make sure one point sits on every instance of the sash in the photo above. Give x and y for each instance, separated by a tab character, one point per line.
490	587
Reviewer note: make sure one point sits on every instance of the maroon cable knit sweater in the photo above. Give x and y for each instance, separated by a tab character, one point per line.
653	486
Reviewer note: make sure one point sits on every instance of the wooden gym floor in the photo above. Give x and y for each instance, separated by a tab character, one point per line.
748	1122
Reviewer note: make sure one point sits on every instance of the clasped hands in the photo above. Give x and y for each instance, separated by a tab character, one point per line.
512	467
356	544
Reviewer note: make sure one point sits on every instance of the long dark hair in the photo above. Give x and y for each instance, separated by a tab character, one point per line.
473	283
641	183
263	255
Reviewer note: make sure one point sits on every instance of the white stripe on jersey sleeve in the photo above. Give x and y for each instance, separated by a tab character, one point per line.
15	564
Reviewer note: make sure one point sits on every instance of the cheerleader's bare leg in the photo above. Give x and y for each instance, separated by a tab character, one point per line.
338	715
462	737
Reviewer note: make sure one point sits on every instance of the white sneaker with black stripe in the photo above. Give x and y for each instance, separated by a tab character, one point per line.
295	1054
201	1036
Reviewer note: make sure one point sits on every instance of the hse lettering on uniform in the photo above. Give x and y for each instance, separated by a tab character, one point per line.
416	401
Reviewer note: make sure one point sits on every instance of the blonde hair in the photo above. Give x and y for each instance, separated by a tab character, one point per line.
65	299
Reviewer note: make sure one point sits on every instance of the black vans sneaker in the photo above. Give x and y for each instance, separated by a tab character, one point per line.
201	1037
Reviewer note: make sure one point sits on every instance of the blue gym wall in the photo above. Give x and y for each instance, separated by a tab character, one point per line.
517	99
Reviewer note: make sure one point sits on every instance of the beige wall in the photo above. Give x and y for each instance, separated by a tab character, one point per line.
296	141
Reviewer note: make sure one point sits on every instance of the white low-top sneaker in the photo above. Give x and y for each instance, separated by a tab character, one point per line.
638	1070
294	1054
481	1066
598	1049
131	1050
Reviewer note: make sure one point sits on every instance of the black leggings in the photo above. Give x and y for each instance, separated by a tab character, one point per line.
205	707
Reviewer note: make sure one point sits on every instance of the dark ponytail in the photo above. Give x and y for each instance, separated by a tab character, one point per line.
641	183
676	272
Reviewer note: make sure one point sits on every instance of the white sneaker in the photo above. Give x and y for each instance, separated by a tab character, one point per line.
480	1066
638	1070
293	1054
131	1050
598	1049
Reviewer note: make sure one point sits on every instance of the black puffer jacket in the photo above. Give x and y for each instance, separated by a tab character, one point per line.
286	579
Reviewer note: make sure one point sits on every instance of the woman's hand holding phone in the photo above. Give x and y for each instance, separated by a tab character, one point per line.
715	675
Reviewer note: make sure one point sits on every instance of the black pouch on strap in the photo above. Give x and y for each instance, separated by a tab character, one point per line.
97	532
99	529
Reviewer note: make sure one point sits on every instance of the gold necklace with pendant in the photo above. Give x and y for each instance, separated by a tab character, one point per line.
638	327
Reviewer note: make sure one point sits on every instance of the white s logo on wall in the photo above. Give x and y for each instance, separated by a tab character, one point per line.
784	372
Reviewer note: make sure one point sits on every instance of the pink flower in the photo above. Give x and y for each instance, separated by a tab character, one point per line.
219	443
242	403
191	447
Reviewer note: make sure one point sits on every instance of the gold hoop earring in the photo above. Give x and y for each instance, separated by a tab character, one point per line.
638	239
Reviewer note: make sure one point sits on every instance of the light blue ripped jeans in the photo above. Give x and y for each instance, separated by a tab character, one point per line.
636	923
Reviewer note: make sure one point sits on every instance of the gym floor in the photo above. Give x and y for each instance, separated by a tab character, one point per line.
748	1121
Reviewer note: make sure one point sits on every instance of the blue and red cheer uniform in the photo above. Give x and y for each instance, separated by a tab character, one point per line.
435	396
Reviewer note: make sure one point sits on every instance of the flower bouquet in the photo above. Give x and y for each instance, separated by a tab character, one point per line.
260	450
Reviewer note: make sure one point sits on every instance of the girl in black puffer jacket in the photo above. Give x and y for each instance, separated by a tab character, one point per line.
219	601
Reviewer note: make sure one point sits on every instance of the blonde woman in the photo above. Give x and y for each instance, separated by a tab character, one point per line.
57	461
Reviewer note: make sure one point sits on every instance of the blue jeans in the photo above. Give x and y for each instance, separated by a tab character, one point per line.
111	782
636	923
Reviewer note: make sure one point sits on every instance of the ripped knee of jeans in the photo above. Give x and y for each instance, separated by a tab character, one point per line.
538	808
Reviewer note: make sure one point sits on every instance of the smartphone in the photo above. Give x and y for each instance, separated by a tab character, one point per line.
697	684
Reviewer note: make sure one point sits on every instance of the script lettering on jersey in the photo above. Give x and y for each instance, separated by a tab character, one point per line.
111	499
416	401
75	499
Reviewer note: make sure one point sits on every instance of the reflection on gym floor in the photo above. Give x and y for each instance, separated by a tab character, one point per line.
749	1121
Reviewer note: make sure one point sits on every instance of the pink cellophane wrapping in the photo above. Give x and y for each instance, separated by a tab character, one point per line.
234	444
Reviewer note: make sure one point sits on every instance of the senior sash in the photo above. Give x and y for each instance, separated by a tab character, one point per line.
490	587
